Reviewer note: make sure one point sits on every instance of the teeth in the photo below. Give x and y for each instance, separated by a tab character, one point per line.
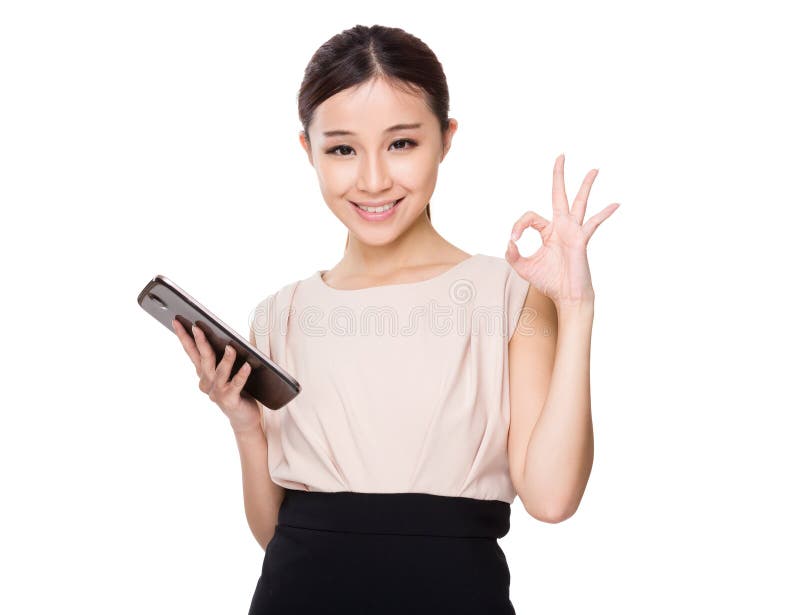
374	210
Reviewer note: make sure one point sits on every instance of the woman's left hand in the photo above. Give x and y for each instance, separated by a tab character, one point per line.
560	268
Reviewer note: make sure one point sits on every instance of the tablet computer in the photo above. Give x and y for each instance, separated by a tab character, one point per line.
267	382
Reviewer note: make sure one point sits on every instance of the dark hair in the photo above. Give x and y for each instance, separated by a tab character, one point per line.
361	53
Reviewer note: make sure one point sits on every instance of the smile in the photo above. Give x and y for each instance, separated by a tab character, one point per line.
376	210
377	213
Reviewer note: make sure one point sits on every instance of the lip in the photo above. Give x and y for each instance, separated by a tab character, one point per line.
377	217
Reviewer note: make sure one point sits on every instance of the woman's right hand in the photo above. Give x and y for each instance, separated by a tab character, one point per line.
239	406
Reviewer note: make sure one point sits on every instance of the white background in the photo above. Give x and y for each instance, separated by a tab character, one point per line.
161	137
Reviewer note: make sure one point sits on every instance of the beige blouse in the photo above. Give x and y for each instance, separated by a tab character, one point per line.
404	386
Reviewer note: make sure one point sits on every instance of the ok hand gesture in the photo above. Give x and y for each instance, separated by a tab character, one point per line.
560	268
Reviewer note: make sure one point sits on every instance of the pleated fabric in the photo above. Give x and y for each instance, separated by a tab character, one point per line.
405	387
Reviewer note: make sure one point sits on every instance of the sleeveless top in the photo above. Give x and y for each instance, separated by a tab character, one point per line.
404	387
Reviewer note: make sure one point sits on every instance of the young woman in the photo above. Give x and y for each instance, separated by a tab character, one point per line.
384	485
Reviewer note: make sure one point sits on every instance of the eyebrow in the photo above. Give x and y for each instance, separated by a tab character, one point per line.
337	133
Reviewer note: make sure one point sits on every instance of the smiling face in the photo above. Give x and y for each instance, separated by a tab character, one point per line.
373	144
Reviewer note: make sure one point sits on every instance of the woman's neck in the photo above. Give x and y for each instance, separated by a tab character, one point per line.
421	246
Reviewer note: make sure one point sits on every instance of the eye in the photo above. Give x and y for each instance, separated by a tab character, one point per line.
339	148
410	141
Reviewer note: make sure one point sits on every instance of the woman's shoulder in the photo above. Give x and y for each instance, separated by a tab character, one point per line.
280	296
495	267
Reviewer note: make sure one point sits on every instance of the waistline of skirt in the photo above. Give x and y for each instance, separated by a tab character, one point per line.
395	513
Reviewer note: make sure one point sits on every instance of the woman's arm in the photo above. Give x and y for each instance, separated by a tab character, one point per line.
262	497
551	444
551	410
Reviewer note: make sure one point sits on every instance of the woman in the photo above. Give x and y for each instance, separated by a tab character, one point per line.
384	485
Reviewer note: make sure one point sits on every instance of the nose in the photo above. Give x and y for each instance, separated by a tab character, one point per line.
373	175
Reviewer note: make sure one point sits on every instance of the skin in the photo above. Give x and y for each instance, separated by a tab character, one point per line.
372	165
551	439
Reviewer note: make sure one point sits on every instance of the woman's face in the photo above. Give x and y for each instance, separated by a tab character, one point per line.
371	164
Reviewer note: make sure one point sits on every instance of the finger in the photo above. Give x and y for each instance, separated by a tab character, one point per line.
579	207
223	371
187	342
560	202
529	218
208	360
592	223
512	252
240	379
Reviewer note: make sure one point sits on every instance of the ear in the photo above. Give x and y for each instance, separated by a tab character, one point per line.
306	146
448	136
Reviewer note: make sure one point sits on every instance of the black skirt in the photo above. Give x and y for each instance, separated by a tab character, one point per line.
383	553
